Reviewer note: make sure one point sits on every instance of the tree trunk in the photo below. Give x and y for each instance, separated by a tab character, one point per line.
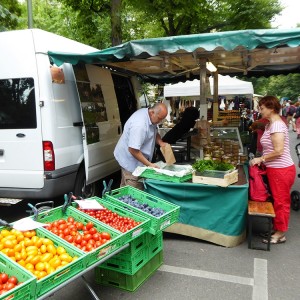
116	30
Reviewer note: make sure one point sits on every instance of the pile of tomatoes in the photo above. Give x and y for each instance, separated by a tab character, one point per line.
7	283
85	237
112	219
37	254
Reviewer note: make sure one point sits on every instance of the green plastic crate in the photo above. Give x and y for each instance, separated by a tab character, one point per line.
92	256
125	281
54	279
136	244
150	173
155	244
157	224
127	264
26	290
130	263
130	234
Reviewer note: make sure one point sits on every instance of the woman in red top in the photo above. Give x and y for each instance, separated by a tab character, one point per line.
281	170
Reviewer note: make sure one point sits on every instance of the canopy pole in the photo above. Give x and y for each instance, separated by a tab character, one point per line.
203	102
216	96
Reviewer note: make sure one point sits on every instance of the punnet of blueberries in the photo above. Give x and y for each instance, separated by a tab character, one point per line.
154	211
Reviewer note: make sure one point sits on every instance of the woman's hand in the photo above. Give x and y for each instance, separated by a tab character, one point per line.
256	161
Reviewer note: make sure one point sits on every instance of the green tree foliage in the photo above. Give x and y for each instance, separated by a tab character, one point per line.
10	11
176	17
279	86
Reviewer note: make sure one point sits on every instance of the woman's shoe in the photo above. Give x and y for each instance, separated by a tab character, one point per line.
266	234
276	240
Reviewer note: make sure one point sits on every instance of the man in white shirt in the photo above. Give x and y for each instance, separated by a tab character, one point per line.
136	145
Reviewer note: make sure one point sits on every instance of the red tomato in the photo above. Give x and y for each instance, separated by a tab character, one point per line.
66	231
96	236
105	235
69	238
78	239
61	221
87	237
10	286
3	278
93	230
71	220
89	225
79	225
13	279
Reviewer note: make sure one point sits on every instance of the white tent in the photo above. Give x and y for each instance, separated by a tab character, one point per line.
226	86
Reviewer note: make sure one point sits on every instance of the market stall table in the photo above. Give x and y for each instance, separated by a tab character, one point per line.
207	212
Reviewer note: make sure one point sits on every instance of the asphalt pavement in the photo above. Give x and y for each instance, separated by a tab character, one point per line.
195	269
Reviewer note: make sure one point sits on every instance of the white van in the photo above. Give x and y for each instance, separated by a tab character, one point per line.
58	125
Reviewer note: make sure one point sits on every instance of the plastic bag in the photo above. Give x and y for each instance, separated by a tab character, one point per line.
258	188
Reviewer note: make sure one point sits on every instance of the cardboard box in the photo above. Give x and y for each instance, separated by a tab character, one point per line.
228	178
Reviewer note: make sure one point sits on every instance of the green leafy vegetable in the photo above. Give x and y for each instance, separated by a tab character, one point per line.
202	165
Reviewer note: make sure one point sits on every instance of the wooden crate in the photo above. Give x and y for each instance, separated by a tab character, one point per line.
228	179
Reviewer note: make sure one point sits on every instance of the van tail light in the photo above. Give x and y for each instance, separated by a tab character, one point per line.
49	157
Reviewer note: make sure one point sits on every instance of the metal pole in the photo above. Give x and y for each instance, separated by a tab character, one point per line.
29	14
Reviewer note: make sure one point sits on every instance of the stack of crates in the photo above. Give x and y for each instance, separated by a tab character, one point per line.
131	267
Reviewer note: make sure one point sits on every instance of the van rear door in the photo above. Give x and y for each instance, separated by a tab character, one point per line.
21	160
21	149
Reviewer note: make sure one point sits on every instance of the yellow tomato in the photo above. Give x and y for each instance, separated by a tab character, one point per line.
18	248
5	232
51	249
60	250
43	249
22	262
46	257
23	254
8	244
36	259
18	256
40	266
38	243
11	253
29	266
47	242
42	274
65	257
55	263
28	242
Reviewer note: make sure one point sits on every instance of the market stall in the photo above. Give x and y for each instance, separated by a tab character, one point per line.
207	212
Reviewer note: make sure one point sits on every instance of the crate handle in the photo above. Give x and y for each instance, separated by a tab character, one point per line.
152	199
3	262
63	272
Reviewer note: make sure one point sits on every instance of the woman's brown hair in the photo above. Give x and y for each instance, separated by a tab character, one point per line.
270	102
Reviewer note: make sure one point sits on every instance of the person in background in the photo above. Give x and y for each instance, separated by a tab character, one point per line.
280	167
297	119
291	109
136	144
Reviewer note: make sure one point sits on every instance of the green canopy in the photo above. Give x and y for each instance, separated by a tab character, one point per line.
261	52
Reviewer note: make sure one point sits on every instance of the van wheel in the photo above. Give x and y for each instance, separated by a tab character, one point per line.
81	189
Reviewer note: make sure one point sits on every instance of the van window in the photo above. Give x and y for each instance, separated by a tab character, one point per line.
17	102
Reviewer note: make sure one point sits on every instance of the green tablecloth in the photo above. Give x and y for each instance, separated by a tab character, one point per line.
207	212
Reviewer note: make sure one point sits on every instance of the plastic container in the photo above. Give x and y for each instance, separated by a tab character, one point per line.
26	290
150	173
131	234
157	223
130	262
125	281
59	276
94	255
